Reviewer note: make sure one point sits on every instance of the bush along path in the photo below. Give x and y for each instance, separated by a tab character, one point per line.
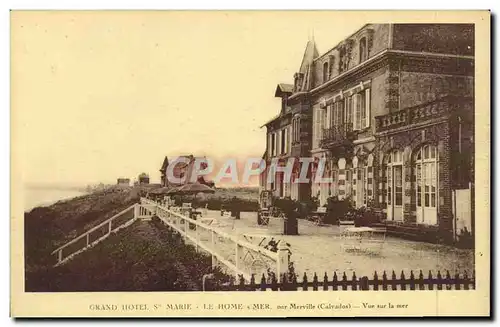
146	256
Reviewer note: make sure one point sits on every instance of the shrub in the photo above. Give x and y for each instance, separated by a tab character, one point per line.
336	209
465	239
365	216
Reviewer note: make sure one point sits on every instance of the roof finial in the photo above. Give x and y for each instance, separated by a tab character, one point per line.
313	34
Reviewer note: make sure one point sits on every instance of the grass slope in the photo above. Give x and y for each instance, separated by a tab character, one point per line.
146	256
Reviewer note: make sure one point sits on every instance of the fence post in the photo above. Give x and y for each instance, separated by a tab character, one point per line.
364	284
59	256
186	229
197	237
238	255
282	261
109	228
136	210
88	239
214	243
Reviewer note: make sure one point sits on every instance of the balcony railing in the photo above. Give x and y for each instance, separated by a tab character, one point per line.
421	113
337	135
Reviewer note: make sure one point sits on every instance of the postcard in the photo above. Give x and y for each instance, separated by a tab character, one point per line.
250	163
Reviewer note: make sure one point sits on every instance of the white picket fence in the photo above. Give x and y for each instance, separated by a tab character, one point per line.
242	254
100	232
193	230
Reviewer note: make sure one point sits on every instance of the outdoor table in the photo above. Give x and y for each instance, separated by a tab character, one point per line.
318	216
361	235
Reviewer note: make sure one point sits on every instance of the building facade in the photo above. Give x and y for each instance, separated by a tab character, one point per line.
143	179
183	169
390	110
123	181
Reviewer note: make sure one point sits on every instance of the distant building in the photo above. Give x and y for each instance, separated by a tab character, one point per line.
181	170
143	179
123	182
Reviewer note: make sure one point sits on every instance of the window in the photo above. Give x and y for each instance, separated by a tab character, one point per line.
284	141
394	173
295	130
329	114
326	72
331	65
338	113
363	50
398	185
348	109
361	109
365	185
318	121
426	184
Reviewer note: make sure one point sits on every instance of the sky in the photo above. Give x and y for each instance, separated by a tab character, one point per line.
101	95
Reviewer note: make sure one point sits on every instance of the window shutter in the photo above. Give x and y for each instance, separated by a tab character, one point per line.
298	129
346	106
269	145
323	122
279	142
367	107
357	112
275	142
288	139
315	119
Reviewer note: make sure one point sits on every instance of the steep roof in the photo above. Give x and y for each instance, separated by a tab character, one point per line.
283	88
164	165
310	54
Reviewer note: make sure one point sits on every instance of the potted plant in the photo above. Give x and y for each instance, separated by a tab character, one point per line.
290	209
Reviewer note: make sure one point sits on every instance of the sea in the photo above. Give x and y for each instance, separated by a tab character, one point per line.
38	197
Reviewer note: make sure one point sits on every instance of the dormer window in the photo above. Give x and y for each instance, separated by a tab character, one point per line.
363	49
345	50
298	79
331	65
365	44
326	72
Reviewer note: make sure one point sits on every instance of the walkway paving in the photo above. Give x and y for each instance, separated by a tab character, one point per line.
318	249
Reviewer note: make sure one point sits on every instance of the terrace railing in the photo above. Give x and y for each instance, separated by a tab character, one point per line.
100	232
421	113
336	135
242	254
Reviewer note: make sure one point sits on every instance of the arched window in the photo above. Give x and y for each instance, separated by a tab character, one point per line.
426	172
326	72
363	50
394	175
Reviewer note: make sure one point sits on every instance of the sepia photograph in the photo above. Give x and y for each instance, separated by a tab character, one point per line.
232	152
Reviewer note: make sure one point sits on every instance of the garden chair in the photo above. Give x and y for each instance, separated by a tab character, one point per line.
319	216
264	217
205	210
